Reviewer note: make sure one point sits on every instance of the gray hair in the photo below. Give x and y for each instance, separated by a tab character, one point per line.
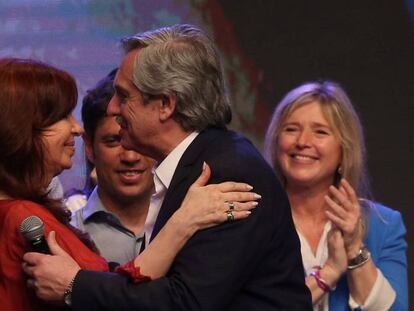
341	115
181	60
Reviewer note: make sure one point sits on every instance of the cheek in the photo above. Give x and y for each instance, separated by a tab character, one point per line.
130	112
106	157
283	145
332	149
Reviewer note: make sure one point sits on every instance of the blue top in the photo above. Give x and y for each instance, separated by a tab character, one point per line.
115	242
385	240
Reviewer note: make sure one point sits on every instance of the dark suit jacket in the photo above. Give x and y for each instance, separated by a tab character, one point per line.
252	264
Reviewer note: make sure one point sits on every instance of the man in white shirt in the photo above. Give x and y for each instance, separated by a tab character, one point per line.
171	102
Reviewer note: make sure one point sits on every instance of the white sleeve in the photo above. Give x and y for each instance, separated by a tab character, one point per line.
380	298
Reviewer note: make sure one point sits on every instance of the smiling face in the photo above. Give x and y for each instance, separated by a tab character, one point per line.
308	152
123	175
59	140
138	119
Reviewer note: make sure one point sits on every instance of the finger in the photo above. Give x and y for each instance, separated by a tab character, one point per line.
339	222
204	176
241	214
240	196
341	198
230	186
336	208
350	191
32	258
54	247
241	206
343	191
223	217
28	269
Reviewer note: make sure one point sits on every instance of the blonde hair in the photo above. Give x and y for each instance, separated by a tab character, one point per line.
342	117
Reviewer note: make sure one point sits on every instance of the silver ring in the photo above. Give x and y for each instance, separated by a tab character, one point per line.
231	206
230	216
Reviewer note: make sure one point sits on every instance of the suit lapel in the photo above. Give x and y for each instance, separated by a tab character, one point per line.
188	169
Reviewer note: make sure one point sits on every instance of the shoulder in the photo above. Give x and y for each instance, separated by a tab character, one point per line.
385	229
229	147
18	210
13	214
381	215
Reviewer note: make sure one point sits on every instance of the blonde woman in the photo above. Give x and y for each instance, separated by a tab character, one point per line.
353	249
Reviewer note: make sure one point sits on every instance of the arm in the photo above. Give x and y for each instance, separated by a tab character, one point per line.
253	264
345	214
334	267
391	259
157	258
203	207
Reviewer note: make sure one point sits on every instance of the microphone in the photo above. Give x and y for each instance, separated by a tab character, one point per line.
32	229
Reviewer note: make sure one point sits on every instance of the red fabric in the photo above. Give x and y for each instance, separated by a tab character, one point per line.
133	272
14	294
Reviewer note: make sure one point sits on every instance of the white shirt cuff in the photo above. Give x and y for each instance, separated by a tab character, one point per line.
380	298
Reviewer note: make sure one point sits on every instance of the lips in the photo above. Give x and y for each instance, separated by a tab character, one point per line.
303	157
130	176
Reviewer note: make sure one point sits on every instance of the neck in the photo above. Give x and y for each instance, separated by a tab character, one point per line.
308	212
308	202
168	140
132	214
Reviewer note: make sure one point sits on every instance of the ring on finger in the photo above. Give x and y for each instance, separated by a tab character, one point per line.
231	205
230	216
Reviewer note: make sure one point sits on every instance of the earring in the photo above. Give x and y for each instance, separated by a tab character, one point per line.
339	170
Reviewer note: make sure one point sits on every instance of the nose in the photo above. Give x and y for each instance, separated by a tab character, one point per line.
113	108
130	156
77	129
304	139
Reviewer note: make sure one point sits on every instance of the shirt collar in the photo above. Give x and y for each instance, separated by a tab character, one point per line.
93	205
165	170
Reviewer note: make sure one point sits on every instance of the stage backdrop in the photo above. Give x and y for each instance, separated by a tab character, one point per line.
268	47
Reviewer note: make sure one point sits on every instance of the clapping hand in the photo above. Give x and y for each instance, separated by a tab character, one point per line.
345	213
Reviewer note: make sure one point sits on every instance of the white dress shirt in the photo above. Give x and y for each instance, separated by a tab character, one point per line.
163	175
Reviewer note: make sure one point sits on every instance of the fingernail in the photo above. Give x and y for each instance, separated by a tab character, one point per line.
257	196
248	212
248	187
255	203
204	165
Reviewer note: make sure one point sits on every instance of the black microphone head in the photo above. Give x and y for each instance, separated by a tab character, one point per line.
32	228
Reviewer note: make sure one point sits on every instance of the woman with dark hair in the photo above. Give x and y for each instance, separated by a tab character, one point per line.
353	249
37	132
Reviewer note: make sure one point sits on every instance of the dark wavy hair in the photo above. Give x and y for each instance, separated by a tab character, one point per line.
33	96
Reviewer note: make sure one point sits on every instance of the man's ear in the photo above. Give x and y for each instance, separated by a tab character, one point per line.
167	108
88	148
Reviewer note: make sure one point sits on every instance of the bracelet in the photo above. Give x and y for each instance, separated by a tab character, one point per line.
360	259
320	281
67	294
